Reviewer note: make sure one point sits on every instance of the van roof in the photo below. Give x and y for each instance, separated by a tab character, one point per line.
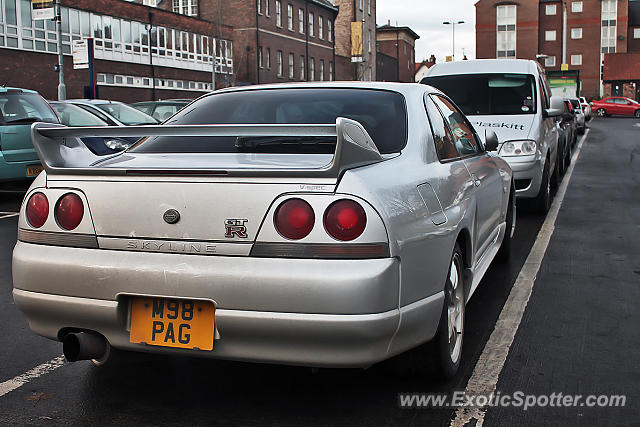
484	66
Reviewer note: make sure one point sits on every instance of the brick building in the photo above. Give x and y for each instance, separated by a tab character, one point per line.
273	40
535	29
398	43
356	11
124	33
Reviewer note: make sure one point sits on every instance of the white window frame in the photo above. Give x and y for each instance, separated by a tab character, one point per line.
278	13
506	27
550	35
576	59
312	69
321	70
329	30
636	33
292	69
303	64
320	32
279	64
301	21
290	17
551	9
576	33
550	61
310	26
576	7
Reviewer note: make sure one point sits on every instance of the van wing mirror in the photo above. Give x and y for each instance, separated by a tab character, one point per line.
490	140
557	107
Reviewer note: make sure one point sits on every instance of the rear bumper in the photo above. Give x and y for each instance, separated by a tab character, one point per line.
341	313
15	171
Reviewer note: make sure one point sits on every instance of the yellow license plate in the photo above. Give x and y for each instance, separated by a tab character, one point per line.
173	323
33	170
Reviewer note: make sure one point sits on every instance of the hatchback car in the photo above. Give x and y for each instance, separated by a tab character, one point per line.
161	110
115	113
268	224
616	105
19	108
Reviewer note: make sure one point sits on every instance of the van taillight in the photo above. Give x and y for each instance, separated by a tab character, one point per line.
69	211
294	219
37	210
345	220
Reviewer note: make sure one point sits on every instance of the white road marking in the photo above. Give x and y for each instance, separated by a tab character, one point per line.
485	375
40	370
8	214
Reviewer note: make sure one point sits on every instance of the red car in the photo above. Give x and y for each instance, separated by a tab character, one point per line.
617	105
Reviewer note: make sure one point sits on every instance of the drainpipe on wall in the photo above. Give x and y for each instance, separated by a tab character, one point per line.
257	45
564	32
306	43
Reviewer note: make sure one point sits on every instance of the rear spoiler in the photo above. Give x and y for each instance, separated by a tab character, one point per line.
62	152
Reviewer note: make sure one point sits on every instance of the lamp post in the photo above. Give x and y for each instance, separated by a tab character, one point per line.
453	26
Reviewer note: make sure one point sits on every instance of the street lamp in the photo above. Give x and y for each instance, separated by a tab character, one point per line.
453	25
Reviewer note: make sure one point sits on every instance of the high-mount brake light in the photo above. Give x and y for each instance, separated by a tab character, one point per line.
345	220
69	211
294	219
37	210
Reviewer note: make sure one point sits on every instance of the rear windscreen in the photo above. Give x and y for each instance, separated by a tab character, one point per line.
382	113
488	94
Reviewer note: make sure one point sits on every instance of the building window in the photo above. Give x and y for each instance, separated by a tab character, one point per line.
290	17
260	64
152	3
576	33
576	7
329	30
310	24
278	13
291	66
186	7
321	70
268	59
576	59
636	33
266	7
506	37
369	42
331	70
279	60
550	9
361	4
550	61
609	18
302	65
301	21
312	69
550	36
319	27
259	7
369	7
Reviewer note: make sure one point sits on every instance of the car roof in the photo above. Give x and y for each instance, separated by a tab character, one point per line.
484	66
4	89
93	101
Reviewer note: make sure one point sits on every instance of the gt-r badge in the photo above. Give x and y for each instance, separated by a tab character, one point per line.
171	216
235	228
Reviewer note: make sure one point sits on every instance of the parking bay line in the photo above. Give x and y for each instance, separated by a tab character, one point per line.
8	214
485	375
40	370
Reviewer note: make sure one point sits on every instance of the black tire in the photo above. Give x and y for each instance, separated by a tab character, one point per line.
601	112
582	130
567	159
556	177
543	199
561	161
637	114
504	254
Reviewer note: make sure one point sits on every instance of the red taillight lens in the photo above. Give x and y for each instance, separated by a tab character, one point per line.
37	210
345	220
294	219
69	211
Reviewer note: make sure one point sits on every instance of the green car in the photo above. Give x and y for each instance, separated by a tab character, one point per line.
19	108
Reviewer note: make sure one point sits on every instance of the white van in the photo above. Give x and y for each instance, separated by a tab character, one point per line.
512	98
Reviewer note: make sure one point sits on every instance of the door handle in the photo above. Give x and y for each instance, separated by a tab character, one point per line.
476	180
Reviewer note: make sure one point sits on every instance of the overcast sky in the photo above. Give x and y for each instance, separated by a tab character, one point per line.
425	17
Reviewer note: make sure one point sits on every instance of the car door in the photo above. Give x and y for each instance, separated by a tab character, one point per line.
482	169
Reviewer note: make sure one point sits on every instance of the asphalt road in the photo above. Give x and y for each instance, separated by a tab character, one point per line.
141	389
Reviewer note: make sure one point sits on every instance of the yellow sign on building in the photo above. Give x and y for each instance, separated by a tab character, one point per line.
564	67
356	41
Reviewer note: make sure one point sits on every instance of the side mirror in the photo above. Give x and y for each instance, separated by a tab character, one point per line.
557	108
490	140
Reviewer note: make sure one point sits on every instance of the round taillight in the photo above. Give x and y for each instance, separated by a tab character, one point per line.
345	220
69	211
37	210
294	219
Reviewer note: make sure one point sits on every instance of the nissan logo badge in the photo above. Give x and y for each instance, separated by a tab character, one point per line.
171	216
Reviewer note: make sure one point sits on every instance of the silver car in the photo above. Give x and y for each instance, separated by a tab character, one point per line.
334	224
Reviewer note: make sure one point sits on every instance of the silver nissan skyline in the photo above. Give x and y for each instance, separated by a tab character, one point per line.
315	224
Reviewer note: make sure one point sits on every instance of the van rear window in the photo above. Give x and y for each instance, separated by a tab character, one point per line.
382	113
488	94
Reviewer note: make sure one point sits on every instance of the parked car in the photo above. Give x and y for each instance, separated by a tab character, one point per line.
72	115
19	108
161	110
580	116
567	134
115	113
586	107
283	234
513	98
616	105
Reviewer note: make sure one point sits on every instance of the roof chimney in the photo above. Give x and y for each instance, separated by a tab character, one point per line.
388	22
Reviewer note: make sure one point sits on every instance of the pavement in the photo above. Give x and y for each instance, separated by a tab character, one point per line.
578	335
